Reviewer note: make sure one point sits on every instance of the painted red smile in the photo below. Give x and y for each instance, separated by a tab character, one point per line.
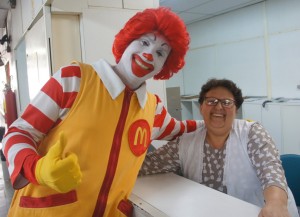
140	68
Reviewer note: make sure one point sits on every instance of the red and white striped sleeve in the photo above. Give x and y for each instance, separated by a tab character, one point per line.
166	127
46	110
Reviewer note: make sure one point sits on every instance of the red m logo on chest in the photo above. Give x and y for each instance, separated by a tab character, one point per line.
139	137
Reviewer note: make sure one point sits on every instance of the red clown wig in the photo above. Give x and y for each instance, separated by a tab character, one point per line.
163	21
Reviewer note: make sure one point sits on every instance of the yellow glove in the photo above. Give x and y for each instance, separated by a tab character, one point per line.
57	172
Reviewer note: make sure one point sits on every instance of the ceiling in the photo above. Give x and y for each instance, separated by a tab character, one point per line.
189	10
194	10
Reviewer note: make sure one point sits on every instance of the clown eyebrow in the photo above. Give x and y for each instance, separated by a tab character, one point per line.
149	37
165	44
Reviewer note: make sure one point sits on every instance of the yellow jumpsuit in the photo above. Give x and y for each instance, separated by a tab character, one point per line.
110	138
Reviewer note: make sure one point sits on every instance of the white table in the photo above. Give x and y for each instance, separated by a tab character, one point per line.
175	196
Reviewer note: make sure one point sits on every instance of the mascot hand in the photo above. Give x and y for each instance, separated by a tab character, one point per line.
57	172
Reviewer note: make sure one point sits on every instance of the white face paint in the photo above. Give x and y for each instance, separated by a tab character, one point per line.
142	59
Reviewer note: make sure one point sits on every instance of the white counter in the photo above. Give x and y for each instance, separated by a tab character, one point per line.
174	196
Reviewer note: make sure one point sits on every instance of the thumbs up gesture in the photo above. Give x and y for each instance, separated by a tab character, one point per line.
61	173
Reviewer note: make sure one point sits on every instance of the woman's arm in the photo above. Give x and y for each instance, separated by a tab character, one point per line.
162	160
275	203
266	161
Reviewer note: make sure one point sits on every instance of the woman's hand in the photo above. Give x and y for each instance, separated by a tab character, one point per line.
276	203
274	210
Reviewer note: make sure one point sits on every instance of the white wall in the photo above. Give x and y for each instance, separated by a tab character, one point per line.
23	94
38	70
66	45
99	30
258	47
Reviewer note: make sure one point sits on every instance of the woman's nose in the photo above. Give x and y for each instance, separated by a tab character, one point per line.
148	56
219	105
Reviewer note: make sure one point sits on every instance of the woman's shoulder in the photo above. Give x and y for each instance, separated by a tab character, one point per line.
242	123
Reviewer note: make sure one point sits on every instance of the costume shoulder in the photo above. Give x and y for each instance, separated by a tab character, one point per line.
190	135
83	66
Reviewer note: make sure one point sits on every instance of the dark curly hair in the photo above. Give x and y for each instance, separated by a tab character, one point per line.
228	84
163	21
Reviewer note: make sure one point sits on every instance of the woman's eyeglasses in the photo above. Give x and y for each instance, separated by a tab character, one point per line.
226	103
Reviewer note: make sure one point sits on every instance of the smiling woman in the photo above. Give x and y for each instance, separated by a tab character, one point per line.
228	154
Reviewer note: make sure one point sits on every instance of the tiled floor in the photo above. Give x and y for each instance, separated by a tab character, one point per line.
6	191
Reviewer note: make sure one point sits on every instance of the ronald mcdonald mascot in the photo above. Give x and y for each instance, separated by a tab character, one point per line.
78	147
